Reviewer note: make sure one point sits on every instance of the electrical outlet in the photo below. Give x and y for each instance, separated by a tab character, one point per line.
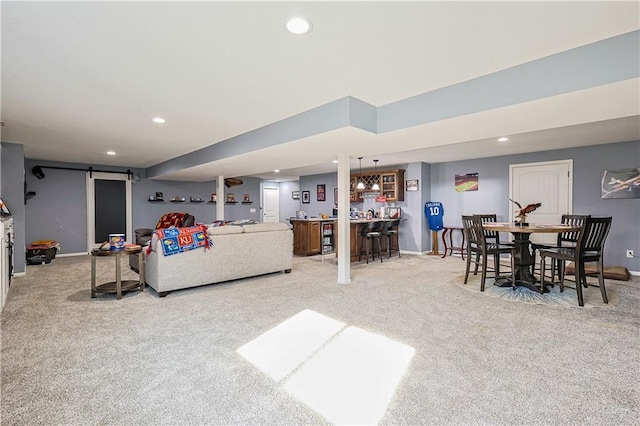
629	253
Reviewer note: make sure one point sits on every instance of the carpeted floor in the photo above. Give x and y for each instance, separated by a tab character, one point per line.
475	358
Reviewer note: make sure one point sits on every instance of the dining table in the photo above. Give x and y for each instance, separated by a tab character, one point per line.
524	260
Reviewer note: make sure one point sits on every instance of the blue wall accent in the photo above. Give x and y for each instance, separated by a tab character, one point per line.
362	115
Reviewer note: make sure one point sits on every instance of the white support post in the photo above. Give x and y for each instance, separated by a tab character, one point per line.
221	198
344	224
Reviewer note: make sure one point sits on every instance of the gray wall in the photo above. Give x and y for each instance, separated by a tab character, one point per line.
310	183
588	165
146	214
414	235
288	205
59	209
12	191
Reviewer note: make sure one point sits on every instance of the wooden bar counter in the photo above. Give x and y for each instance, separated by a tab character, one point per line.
308	235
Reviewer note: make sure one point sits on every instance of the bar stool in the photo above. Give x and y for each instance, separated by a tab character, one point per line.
373	231
389	232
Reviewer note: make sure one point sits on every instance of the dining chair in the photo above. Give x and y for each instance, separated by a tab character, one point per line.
478	244
368	234
565	239
490	235
389	231
589	248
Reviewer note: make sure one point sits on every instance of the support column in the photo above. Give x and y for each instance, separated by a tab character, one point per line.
344	204
221	198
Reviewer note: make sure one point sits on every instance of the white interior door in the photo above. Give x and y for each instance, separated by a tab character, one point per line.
92	177
271	204
549	183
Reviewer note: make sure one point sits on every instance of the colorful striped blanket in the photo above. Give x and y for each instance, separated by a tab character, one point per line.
177	240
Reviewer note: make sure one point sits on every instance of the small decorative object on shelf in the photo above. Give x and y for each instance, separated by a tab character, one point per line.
246	199
521	217
177	200
196	199
159	196
231	197
214	198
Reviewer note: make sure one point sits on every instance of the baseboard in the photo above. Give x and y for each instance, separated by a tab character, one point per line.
20	274
419	253
72	254
635	273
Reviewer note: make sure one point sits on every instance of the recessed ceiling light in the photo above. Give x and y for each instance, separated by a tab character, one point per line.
276	171
503	139
159	120
111	153
298	25
335	161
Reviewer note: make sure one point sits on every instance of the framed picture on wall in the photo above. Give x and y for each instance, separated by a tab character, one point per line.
466	182
295	195
624	183
412	184
321	192
306	197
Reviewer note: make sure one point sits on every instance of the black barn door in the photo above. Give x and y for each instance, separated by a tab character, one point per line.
111	208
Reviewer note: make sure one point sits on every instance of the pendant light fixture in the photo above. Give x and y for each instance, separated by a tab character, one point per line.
375	186
360	183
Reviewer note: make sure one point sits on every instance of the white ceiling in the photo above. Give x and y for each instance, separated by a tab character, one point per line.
82	78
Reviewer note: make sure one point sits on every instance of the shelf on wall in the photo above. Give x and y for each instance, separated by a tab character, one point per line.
247	202
156	201
200	201
211	202
231	202
177	201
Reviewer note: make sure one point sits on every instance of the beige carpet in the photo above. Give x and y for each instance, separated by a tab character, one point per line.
67	359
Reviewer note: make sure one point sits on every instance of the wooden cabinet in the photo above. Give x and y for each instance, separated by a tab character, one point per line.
391	184
307	237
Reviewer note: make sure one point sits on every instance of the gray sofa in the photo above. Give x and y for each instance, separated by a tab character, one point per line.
237	252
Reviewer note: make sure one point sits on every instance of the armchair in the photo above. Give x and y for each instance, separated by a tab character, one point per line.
143	235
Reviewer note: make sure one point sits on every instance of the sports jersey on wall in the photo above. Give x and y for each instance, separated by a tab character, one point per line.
434	212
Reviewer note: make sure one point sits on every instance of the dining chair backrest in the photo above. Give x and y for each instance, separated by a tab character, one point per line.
572	220
595	233
472	226
492	217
